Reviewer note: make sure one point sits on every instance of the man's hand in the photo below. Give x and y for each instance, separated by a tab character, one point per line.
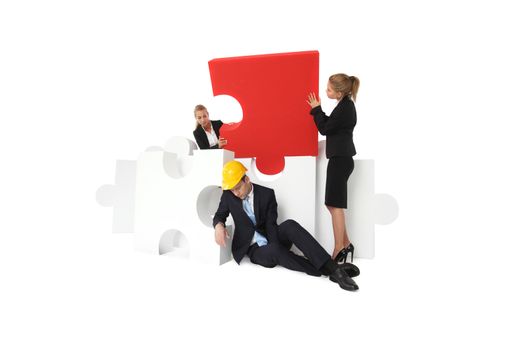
221	234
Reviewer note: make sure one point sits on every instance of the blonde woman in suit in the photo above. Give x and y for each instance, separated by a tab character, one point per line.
338	128
207	132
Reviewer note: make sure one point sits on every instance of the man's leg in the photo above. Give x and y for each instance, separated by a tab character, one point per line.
274	254
291	232
279	254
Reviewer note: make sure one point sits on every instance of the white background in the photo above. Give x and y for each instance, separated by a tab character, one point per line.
83	83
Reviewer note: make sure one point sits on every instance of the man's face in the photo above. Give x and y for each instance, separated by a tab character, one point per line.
242	189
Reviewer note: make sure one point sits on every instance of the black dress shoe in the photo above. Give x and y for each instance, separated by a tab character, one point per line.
350	269
341	277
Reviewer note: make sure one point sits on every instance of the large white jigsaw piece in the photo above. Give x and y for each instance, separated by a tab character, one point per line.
121	195
167	198
365	207
294	188
176	197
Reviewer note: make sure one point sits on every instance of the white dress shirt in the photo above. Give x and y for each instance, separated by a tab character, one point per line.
212	137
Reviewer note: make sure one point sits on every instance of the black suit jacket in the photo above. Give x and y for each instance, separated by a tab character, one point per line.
265	210
338	128
202	139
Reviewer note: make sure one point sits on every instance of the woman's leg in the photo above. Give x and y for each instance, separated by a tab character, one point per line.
346	240
339	227
337	174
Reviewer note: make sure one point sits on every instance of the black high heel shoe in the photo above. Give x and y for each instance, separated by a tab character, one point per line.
350	249
341	256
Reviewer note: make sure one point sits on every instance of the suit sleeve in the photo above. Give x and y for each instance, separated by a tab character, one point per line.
223	211
341	118
271	218
218	130
200	141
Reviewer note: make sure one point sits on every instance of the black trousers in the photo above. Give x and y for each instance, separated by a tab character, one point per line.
278	253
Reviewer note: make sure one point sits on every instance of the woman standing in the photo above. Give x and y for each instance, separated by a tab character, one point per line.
338	128
207	132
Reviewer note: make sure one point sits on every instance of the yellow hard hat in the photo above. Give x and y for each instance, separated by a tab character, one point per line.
232	173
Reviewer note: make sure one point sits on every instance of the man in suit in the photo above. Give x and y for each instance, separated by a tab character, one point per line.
254	211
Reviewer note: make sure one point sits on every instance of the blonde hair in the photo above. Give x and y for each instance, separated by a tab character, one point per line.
347	85
195	110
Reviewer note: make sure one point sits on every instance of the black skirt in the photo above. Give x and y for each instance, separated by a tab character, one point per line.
337	174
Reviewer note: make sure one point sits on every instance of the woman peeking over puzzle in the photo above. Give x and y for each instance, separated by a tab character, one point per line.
207	132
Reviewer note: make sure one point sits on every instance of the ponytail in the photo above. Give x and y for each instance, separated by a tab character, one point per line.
354	88
347	85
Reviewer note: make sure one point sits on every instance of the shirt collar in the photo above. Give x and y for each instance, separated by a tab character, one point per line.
250	195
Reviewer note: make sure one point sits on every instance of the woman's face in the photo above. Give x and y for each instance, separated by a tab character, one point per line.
330	92
202	118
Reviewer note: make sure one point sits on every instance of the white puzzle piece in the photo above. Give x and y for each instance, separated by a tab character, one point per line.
176	198
167	198
365	207
294	189
121	196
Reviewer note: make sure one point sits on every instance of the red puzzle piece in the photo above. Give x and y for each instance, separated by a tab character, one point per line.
272	91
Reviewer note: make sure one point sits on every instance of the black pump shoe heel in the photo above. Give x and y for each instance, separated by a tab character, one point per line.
350	249
341	256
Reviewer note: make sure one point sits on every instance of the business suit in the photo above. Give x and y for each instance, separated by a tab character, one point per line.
338	128
202	139
280	237
340	148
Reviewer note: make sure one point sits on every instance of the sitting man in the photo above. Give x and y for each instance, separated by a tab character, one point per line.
254	211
